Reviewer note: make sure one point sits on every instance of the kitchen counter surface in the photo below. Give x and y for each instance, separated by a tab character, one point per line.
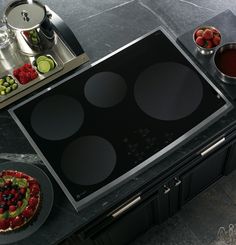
102	27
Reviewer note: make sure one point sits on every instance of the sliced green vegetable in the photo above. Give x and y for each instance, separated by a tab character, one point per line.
44	66
41	58
51	62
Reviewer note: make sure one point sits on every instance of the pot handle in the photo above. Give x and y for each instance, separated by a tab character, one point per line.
64	32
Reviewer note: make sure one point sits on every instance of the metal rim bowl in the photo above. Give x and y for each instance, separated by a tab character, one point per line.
224	77
202	50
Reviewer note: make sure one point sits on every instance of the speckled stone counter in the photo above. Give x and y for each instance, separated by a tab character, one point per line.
102	27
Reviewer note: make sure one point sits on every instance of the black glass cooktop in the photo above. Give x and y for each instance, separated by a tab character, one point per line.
102	125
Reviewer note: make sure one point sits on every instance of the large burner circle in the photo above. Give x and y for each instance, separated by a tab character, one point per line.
57	117
105	89
168	91
88	160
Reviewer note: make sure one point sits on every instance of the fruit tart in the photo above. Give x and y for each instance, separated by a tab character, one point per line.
19	199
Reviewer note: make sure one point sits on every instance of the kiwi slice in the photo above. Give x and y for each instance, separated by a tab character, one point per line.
44	66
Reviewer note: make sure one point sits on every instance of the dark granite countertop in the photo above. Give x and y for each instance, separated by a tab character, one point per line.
102	27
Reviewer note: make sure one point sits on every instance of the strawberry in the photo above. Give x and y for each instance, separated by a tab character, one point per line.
208	44
216	40
207	34
200	41
4	224
17	221
199	33
28	212
33	201
2	210
12	208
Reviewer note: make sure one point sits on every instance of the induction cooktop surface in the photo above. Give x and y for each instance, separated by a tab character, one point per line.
106	123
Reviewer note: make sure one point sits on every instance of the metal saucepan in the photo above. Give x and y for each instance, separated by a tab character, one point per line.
225	62
30	23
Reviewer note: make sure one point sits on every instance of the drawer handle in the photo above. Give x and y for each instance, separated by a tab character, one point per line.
166	189
177	182
212	147
126	207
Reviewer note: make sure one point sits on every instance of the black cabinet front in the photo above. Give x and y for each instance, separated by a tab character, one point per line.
201	176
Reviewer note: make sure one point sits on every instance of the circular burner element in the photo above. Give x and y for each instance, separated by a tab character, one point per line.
57	117
105	89
168	91
88	160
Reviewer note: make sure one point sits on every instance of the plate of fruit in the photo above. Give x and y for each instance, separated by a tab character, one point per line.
26	199
206	39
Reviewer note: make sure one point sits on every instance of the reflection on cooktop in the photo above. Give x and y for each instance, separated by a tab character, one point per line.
88	160
168	91
105	89
57	117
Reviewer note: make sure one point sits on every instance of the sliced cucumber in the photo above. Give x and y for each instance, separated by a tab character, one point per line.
51	62
44	66
41	58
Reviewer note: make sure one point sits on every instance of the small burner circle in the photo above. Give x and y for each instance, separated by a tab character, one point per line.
105	89
88	160
168	91
57	117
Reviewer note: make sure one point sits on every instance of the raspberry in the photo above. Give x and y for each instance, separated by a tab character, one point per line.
33	201
12	208
17	221
4	224
28	212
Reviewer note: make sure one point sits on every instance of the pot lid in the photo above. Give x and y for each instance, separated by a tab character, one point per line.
25	16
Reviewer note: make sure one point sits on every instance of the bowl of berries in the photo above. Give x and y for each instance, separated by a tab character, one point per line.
206	39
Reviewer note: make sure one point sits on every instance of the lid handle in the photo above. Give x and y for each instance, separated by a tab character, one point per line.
25	15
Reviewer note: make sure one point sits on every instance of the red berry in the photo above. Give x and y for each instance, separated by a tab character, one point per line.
17	221
22	190
216	40
12	208
207	34
34	75
16	196
199	33
4	224
28	212
2	210
200	41
18	174
33	201
13	191
19	203
209	44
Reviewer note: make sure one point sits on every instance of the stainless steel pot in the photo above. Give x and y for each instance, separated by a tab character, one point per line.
30	23
222	74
